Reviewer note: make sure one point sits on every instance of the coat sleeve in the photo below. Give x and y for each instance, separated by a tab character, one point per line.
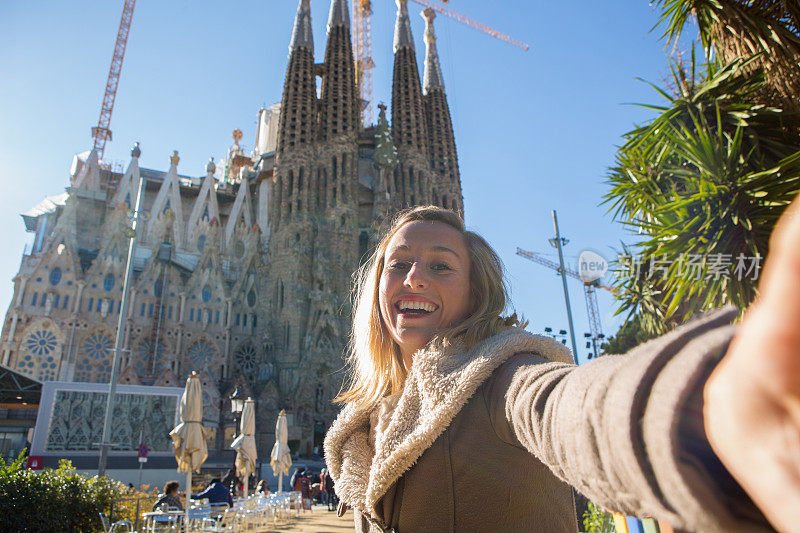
627	431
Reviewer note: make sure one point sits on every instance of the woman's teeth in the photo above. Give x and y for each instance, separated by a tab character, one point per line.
416	307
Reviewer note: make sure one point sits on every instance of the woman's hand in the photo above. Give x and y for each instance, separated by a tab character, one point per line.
752	400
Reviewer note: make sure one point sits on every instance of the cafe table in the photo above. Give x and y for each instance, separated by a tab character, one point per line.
161	520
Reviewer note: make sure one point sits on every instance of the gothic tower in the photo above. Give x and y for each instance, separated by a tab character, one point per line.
441	142
314	242
412	180
291	230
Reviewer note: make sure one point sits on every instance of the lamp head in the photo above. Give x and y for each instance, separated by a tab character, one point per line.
237	401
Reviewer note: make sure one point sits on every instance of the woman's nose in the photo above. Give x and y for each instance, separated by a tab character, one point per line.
415	278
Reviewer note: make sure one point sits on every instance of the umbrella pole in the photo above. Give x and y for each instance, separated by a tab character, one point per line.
280	482
246	482
188	495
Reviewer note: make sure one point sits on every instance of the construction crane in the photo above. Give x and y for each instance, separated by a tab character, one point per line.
101	133
589	292
362	10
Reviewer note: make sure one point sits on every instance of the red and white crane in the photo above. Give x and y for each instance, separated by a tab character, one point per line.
101	133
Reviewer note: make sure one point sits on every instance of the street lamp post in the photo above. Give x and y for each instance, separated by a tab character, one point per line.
123	310
558	243
237	406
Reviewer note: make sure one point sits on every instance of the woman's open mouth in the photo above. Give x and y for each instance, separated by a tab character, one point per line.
414	309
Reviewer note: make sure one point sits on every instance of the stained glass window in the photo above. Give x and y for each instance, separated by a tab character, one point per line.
144	354
94	365
108	282
55	276
251	297
206	293
41	342
247	358
201	354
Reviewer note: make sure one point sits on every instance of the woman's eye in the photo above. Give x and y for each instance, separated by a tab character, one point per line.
440	267
399	265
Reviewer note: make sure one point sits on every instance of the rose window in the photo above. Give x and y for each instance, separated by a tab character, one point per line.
247	358
41	342
200	356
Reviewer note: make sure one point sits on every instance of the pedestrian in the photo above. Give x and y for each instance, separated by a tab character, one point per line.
302	484
262	488
298	472
231	481
169	496
456	419
330	491
216	493
322	475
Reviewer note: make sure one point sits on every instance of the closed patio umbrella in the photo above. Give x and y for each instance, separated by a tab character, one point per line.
280	459
189	437
245	443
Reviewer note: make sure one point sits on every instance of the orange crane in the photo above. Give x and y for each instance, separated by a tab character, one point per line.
362	10
101	132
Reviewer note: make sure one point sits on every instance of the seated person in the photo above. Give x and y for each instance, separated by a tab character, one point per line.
170	496
262	488
216	492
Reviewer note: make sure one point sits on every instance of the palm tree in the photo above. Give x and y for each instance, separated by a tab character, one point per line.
740	29
704	183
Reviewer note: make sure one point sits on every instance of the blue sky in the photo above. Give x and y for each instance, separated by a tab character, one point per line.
535	130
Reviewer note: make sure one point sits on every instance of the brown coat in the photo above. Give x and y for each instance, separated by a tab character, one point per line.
484	439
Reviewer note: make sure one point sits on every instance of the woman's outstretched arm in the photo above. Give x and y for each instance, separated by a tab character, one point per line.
692	427
627	431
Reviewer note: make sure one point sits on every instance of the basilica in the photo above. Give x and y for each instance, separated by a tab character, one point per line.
243	274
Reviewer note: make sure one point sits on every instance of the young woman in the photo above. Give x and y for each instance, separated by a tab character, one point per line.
170	496
456	419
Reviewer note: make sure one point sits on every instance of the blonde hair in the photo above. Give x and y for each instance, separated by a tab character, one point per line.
375	366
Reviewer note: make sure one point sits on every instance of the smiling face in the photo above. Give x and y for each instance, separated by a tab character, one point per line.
424	284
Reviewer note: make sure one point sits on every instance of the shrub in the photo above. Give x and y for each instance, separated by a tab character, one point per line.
596	520
53	500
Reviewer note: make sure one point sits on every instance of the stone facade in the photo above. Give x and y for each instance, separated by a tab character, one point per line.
245	274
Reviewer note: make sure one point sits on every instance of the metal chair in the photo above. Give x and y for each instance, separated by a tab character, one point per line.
114	528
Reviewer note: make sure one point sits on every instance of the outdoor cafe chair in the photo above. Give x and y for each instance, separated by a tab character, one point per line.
116	526
158	521
200	518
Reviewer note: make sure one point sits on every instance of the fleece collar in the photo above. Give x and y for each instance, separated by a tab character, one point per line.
438	385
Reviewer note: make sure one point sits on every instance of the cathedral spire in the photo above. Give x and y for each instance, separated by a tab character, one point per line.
340	104
299	103
402	28
302	36
433	72
441	142
408	119
339	15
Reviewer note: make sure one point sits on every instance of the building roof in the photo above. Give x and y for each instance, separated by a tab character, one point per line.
48	205
18	391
